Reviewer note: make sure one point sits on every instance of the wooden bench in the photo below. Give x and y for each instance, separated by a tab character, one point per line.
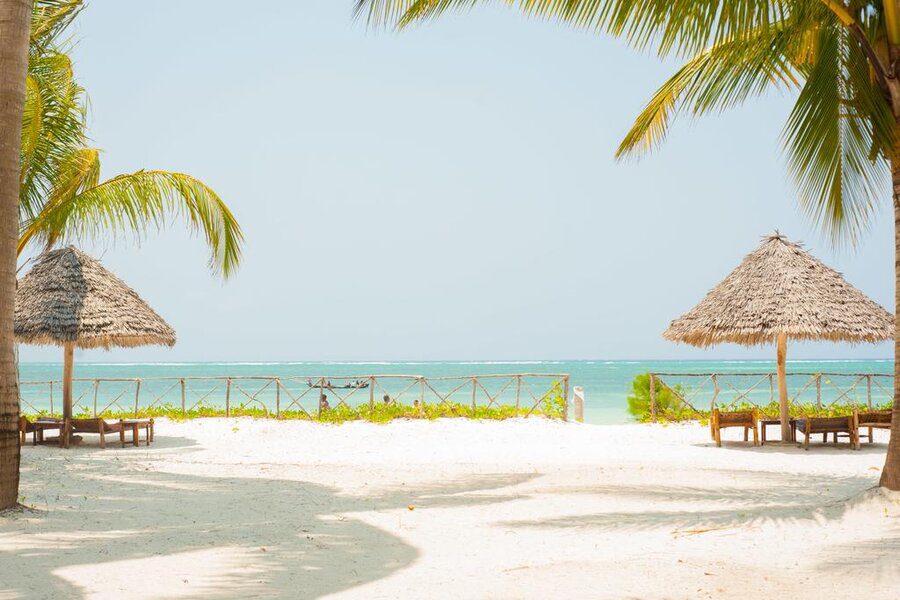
875	419
747	419
98	426
37	428
848	426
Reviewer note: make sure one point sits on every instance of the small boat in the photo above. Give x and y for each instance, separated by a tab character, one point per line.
357	384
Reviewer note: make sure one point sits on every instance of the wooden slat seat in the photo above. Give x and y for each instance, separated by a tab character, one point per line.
37	428
747	419
825	425
875	419
98	426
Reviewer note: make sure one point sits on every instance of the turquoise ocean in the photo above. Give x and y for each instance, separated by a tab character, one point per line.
606	383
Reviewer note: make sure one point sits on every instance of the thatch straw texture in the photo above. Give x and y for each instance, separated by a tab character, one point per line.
70	297
782	289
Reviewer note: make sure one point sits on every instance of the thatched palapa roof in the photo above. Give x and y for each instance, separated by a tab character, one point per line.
782	289
68	296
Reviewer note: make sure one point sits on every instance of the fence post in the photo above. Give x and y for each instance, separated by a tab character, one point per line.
96	389
869	390
422	396
474	388
771	389
277	398
51	397
579	403
715	396
818	392
652	397
321	396
228	397
372	393
566	398
182	397
137	395
518	392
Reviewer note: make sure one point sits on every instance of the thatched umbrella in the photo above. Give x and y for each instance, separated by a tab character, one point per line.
780	291
69	299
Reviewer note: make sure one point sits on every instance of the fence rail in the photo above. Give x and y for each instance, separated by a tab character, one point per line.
824	391
276	396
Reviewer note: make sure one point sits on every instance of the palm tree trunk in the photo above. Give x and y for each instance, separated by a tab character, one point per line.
15	25
890	475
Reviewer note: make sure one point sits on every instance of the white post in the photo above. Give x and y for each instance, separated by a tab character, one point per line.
579	403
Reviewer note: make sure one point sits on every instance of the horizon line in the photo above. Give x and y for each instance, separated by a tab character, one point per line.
459	361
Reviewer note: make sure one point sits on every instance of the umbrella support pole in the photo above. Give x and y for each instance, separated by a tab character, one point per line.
68	359
783	401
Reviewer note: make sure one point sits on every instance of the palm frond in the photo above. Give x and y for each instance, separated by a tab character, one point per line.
717	79
76	172
53	126
49	19
684	27
133	203
838	118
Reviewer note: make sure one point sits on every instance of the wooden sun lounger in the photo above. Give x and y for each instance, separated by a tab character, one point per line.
747	419
25	427
37	428
875	419
98	426
848	426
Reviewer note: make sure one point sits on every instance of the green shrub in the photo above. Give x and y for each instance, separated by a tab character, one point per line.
555	402
668	405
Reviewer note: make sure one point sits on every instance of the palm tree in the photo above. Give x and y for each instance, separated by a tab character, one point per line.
15	16
50	185
841	56
62	194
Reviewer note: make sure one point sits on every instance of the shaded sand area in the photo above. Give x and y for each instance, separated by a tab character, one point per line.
225	508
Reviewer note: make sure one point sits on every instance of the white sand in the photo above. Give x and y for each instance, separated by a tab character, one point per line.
224	508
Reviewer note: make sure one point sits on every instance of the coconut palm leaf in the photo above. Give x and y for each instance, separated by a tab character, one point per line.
717	79
681	26
49	19
133	203
53	126
839	117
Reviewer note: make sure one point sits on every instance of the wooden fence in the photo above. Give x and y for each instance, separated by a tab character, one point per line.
728	390
278	395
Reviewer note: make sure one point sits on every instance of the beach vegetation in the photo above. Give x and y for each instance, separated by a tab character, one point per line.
668	403
669	407
342	413
554	403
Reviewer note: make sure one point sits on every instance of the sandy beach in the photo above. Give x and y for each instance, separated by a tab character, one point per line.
224	508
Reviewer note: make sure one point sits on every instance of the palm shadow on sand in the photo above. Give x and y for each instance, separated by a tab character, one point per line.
763	496
281	538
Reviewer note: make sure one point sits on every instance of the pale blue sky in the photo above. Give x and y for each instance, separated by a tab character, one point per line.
443	193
